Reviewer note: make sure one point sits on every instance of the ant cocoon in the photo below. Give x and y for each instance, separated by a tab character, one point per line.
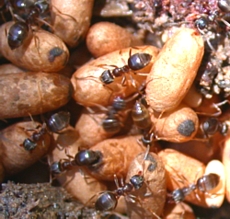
17	158
83	88
151	197
117	153
187	170
215	197
178	125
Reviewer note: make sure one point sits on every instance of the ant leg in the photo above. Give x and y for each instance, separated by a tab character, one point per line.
116	180
103	65
217	107
68	154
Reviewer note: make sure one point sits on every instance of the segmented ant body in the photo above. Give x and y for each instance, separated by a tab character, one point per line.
213	125
56	123
107	201
142	120
112	123
141	117
136	62
204	184
88	158
31	143
19	31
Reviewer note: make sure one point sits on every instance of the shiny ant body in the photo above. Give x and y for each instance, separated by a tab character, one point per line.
19	31
107	201
31	143
204	184
111	123
213	125
88	158
56	123
136	62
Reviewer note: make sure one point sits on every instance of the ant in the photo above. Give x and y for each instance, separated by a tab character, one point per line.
107	201
136	62
142	120
112	123
212	125
56	123
19	31
87	158
204	184
31	143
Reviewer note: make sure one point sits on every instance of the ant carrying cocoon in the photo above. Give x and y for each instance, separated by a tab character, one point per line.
83	88
149	200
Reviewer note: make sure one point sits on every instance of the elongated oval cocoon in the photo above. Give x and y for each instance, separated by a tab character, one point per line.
150	198
44	52
75	180
71	20
90	91
174	70
14	156
105	37
215	197
178	125
117	154
25	94
182	171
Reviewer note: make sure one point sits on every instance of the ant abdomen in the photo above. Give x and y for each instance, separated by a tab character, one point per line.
138	61
58	121
111	124
88	158
141	116
17	34
106	201
208	182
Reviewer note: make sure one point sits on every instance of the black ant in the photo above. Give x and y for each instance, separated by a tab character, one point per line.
19	31
136	62
107	201
56	123
31	143
204	184
213	125
112	123
87	158
141	118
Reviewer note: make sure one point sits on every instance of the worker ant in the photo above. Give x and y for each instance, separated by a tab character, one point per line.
20	30
88	158
204	184
56	123
135	62
107	201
